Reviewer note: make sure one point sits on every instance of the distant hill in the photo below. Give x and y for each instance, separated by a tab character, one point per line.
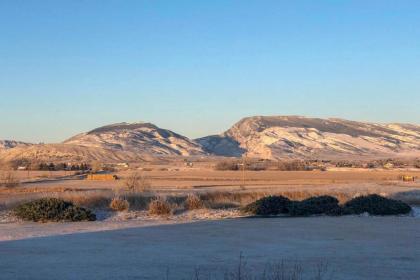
142	138
270	137
65	153
111	143
9	144
276	137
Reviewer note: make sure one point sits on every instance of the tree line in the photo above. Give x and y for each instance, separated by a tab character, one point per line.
63	166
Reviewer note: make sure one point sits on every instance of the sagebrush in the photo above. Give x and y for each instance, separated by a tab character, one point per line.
160	207
119	204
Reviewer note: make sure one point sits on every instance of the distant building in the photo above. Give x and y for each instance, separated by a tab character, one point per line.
122	165
101	177
407	178
389	165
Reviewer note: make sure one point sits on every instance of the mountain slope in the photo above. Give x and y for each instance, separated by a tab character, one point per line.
142	138
111	143
66	153
276	137
9	144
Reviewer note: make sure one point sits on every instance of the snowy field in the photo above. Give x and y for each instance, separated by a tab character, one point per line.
352	247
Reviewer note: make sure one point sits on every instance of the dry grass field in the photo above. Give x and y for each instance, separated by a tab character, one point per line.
229	186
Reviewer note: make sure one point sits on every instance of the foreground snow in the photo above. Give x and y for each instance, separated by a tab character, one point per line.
353	247
13	229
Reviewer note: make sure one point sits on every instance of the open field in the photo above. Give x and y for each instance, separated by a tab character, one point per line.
346	183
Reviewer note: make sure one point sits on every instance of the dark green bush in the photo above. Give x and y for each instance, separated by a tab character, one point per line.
52	209
318	205
376	205
327	205
338	211
270	205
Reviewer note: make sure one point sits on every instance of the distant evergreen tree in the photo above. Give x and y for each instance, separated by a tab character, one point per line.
61	166
51	167
43	166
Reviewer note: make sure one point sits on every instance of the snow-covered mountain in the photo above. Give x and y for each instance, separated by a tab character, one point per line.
143	138
276	137
111	143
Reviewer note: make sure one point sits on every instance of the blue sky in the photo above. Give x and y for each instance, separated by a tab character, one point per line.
196	67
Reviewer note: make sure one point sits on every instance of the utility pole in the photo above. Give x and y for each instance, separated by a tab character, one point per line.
243	170
244	156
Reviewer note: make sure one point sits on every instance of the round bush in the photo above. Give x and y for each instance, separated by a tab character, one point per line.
160	207
54	210
119	204
270	205
193	202
376	205
318	205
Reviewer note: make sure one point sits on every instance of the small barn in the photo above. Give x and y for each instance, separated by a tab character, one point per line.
408	178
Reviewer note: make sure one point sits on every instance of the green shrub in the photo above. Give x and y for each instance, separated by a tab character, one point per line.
318	205
376	205
52	209
76	214
338	211
270	205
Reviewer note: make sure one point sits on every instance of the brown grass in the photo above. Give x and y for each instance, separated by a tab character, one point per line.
91	200
119	204
88	199
139	201
217	200
9	181
160	207
100	198
137	182
193	202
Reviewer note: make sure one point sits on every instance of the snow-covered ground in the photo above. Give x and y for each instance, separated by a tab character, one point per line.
416	211
13	229
353	248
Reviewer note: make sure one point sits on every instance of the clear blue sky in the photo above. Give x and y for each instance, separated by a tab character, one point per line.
196	67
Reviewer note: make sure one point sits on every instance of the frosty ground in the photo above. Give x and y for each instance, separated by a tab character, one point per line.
354	247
